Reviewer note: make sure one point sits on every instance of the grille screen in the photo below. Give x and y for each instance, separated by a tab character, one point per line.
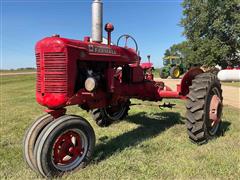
55	72
38	72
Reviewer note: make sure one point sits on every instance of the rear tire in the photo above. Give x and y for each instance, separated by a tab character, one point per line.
204	102
163	74
175	72
66	144
104	118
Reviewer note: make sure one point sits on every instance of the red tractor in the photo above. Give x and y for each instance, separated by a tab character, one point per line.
102	78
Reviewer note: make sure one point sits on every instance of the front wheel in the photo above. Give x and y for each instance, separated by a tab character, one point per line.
64	145
204	108
163	73
31	136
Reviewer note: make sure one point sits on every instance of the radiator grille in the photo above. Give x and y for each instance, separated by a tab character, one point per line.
38	72
55	72
55	64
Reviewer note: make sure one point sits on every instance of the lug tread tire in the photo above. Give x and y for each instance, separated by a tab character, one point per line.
196	107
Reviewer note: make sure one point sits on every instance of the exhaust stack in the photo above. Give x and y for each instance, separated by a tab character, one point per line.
97	26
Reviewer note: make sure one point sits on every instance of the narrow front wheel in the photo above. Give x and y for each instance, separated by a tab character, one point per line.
31	136
65	145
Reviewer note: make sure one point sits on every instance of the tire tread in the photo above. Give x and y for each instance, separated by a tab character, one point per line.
195	106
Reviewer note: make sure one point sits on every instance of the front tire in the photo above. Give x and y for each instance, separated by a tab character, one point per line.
204	108
31	136
106	116
163	74
66	144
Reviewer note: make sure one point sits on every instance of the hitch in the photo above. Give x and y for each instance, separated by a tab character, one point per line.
168	105
164	105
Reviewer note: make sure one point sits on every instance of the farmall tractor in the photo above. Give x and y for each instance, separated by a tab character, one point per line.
102	78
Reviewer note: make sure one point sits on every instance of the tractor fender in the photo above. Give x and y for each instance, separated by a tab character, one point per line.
187	80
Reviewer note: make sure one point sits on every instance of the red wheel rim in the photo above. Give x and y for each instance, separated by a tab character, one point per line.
67	148
215	110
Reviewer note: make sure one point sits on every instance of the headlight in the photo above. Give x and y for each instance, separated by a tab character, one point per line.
90	84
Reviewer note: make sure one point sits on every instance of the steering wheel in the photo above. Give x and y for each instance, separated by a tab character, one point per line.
126	41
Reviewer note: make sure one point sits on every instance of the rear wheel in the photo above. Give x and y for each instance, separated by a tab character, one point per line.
106	116
204	108
66	144
175	72
31	136
163	73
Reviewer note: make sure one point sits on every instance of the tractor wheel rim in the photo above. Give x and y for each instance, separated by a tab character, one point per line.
69	150
215	111
176	72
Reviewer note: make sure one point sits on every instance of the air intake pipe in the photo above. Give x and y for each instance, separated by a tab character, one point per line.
97	16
